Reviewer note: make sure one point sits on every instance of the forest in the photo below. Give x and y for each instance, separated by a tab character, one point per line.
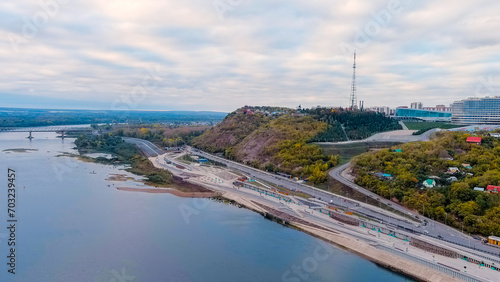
125	153
453	200
357	124
16	117
162	135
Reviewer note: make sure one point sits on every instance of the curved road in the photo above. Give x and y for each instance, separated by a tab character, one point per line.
433	228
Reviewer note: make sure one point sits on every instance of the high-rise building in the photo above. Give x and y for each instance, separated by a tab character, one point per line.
416	105
403	113
477	111
383	110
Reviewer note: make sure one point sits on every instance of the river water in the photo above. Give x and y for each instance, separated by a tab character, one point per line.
73	225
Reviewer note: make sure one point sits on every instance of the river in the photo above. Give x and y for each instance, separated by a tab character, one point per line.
73	225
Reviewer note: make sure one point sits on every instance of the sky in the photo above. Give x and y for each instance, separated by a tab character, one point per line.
223	54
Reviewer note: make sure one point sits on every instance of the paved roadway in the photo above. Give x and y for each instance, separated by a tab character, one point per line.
336	174
432	228
325	196
148	148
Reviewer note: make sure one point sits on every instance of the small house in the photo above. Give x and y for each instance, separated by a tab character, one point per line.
387	176
451	179
481	189
493	189
467	166
381	175
429	183
474	140
398	150
453	170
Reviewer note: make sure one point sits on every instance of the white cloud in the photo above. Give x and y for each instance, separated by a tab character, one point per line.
262	52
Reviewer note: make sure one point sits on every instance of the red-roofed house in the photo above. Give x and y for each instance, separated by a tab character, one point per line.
493	189
472	139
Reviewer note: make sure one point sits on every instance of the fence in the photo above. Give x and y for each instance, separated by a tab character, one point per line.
443	269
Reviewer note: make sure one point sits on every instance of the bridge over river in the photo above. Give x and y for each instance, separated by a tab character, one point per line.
58	129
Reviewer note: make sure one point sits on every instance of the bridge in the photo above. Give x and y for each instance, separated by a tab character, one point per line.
58	129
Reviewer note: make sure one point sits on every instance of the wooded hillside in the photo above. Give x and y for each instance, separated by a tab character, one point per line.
453	200
272	142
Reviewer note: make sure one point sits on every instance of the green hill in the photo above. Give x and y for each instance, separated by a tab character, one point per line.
277	139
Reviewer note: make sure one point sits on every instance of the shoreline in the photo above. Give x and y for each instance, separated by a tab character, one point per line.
392	262
387	260
172	191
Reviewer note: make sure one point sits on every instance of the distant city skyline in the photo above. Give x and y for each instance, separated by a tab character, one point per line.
221	55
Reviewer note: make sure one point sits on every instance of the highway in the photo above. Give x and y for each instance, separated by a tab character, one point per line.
148	148
432	228
326	197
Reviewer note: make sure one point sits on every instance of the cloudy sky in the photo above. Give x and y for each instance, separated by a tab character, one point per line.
220	55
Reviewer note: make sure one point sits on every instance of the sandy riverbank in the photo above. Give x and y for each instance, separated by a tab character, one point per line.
172	191
19	150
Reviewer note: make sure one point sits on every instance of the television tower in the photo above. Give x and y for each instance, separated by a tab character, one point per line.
353	99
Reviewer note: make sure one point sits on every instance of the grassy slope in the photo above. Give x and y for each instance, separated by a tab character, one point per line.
429	125
263	144
232	130
345	151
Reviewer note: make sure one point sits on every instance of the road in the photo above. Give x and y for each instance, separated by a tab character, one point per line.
325	196
432	228
148	148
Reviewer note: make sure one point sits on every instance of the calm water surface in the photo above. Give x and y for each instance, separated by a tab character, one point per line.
74	226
